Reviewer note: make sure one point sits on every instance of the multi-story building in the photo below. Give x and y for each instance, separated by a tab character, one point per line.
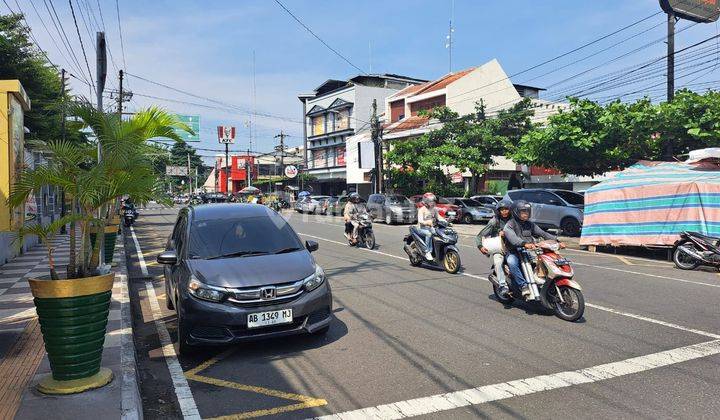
336	110
460	91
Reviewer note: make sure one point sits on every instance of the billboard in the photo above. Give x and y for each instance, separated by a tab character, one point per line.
193	121
176	170
694	10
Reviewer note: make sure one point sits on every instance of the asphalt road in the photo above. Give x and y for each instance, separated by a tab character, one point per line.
647	347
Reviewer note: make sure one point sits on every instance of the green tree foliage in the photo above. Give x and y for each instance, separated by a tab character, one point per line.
591	139
467	142
23	61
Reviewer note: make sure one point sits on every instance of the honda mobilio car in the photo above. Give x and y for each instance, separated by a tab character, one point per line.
239	272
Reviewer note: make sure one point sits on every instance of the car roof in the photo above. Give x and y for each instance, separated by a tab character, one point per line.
218	210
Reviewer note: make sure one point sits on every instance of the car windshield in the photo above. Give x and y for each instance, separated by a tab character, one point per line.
471	203
572	198
233	236
398	199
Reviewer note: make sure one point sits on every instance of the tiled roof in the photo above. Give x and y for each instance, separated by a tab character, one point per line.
408	90
444	81
409	123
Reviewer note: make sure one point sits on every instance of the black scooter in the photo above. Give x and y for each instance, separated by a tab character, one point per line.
695	249
445	253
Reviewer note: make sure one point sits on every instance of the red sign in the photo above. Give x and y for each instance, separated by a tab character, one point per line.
226	134
340	156
457	177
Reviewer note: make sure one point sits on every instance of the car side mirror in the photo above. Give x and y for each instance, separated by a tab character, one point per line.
168	257
311	246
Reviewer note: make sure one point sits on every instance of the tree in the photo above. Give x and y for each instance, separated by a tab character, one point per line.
23	61
179	157
465	142
592	139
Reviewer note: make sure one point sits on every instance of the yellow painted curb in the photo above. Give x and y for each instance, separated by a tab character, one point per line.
48	385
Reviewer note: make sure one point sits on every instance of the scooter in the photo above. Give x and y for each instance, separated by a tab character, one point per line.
550	280
445	253
365	234
695	249
129	217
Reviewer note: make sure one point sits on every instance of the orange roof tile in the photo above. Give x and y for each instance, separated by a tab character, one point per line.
407	124
409	90
442	82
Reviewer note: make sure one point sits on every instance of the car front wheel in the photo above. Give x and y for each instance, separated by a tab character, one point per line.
571	226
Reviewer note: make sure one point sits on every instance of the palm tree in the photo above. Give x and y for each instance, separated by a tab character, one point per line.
94	188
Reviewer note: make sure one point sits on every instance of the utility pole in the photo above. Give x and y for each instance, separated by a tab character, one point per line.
62	136
189	177
248	178
101	66
120	98
668	152
282	136
376	133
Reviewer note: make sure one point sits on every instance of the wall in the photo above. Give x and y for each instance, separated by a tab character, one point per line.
489	82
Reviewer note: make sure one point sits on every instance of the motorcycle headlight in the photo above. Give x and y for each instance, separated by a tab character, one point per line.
204	291
314	281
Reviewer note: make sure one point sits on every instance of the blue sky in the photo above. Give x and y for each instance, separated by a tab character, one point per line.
206	47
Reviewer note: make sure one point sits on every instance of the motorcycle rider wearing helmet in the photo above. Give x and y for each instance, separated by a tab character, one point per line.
428	216
492	229
353	209
520	232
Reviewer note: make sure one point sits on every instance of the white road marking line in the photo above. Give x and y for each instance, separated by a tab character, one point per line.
141	259
488	393
654	321
180	383
699	283
182	388
598	307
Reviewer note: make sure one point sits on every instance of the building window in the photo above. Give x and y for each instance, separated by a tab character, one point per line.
343	119
318	125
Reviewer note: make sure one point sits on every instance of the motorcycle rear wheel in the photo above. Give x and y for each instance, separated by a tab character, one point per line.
505	300
681	259
573	306
415	259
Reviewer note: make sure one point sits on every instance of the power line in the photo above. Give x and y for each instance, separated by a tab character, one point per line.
318	38
52	38
22	15
55	19
122	43
72	10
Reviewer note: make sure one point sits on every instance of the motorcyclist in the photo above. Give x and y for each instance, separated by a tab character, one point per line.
520	232
351	213
130	205
428	216
494	228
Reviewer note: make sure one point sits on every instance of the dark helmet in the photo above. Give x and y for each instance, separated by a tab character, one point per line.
520	206
354	197
429	198
503	204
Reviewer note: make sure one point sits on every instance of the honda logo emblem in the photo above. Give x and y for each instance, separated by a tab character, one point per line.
267	292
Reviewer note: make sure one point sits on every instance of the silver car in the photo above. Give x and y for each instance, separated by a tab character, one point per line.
553	208
311	204
472	211
392	208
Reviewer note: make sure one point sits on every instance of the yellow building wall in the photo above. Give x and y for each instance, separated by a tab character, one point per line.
13	104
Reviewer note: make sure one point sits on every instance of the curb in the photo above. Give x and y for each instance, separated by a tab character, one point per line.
131	404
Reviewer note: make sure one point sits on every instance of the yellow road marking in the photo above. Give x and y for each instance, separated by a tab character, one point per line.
304	401
255	389
271	411
623	259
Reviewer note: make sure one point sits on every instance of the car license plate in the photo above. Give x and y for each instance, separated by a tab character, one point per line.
263	319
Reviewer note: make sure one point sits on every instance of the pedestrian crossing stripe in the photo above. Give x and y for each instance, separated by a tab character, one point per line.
303	401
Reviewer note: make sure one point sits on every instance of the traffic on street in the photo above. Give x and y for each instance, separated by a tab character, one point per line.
406	341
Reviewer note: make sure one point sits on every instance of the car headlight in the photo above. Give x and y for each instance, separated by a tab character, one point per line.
204	291
314	281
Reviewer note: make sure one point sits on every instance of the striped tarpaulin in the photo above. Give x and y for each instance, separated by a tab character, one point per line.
651	203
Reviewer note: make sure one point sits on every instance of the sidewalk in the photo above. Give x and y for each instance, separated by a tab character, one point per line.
22	355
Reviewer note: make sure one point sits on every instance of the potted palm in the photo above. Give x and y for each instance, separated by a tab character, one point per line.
73	305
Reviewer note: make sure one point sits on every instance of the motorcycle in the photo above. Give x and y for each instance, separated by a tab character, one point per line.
550	280
695	249
445	253
365	235
129	217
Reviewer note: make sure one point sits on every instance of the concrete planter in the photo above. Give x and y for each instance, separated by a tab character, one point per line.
111	232
73	317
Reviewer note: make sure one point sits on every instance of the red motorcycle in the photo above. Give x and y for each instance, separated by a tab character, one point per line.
550	280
